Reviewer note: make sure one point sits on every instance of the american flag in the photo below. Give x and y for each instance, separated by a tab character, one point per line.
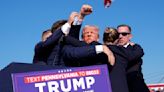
107	3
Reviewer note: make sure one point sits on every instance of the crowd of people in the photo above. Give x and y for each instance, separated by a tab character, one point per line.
61	47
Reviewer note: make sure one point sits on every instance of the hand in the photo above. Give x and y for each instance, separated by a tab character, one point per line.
72	17
85	10
132	43
109	53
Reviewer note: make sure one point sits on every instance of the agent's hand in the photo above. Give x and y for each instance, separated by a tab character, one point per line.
72	17
109	53
132	43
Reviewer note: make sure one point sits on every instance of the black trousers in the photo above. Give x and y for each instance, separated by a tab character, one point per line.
136	82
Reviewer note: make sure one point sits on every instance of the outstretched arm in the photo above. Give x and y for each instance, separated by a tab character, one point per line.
109	53
130	53
77	20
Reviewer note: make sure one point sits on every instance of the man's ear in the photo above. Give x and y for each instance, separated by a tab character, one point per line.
98	38
82	36
130	36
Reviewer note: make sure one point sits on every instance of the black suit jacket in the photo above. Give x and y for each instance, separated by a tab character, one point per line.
134	75
48	51
79	53
44	49
123	56
55	56
82	56
135	64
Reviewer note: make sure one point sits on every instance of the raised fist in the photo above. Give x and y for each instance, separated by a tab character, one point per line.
86	10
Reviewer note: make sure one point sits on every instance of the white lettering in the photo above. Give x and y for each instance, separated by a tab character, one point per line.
63	88
89	81
67	85
79	83
40	85
53	86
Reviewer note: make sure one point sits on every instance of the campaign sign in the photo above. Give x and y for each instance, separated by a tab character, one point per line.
80	79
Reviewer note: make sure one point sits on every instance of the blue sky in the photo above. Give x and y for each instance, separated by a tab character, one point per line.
22	22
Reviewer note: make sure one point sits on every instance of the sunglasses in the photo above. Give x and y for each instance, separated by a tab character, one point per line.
124	34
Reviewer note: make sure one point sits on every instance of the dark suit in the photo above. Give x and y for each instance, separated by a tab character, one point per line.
135	77
44	49
79	53
48	52
118	73
82	56
55	55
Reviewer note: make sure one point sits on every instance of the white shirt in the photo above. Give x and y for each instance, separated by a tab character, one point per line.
126	45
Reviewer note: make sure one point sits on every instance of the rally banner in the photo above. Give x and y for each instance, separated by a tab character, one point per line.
80	79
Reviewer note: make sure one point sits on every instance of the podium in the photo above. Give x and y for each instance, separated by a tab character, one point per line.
22	77
14	67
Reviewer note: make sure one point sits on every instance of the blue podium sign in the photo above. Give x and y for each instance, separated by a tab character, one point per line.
79	79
